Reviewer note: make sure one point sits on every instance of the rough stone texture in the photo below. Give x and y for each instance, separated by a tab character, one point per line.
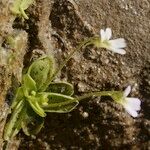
5	29
11	60
57	27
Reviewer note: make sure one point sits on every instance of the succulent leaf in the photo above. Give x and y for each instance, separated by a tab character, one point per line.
13	126
60	103
41	71
29	85
32	123
18	97
33	101
64	88
19	7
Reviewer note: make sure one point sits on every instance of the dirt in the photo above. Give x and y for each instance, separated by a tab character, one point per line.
56	27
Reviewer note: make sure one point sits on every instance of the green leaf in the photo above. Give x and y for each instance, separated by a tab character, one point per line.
64	88
29	85
19	7
34	103
24	5
41	71
29	89
32	123
59	103
18	97
13	126
15	8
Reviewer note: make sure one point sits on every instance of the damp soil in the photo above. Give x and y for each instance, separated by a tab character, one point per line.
56	27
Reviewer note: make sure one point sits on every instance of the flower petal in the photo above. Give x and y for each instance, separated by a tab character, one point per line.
117	43
102	34
134	103
127	91
119	51
108	34
132	112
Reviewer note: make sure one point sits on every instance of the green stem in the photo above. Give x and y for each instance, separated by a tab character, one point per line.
102	93
23	13
80	98
83	44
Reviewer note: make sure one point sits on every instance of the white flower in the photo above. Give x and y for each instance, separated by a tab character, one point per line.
131	105
115	45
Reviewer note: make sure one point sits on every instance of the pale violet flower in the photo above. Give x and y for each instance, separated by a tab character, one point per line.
131	105
115	45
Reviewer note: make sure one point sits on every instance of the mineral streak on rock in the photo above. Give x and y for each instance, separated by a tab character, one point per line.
11	57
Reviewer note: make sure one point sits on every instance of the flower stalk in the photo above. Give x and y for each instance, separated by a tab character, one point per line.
88	95
103	41
81	45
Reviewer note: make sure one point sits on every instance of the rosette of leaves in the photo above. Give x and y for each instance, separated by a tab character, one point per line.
34	99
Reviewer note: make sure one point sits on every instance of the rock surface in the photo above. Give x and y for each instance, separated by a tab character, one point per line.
56	27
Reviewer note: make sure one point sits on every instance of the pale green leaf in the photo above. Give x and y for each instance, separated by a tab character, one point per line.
13	126
19	7
29	85
18	97
64	88
32	123
33	101
60	103
41	71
